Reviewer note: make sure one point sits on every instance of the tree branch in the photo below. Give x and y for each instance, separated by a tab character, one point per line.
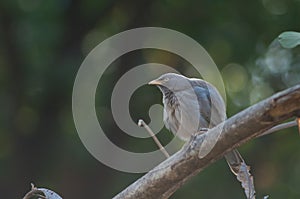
167	177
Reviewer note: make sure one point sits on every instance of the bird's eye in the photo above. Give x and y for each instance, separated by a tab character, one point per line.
166	79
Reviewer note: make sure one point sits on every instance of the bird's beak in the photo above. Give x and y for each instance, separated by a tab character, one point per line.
155	82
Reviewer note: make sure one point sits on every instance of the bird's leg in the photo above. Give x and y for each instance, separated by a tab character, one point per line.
200	132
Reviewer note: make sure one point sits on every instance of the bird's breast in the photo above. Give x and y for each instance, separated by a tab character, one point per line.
183	117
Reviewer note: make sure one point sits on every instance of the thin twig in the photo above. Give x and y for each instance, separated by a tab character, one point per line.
280	127
141	123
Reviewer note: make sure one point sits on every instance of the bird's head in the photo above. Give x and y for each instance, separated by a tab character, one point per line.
171	82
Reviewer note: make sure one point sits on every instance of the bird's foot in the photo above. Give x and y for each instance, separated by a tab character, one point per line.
201	131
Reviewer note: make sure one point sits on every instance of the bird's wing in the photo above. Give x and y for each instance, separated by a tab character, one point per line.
204	103
208	95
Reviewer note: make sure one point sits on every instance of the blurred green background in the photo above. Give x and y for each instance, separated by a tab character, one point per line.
43	43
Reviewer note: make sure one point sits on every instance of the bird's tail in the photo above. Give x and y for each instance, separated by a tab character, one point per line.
241	171
234	160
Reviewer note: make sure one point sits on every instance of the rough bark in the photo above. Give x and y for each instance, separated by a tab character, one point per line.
167	177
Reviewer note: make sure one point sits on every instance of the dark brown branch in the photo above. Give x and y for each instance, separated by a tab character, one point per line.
167	177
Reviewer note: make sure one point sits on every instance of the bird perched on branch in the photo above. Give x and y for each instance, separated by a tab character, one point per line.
192	105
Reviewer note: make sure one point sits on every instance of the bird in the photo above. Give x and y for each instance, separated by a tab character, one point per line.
192	106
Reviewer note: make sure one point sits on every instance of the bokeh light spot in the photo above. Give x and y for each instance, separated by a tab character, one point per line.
235	77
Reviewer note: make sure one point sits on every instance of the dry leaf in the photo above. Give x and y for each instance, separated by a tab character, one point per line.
41	193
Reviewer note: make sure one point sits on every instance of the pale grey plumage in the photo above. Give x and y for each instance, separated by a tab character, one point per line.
191	104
